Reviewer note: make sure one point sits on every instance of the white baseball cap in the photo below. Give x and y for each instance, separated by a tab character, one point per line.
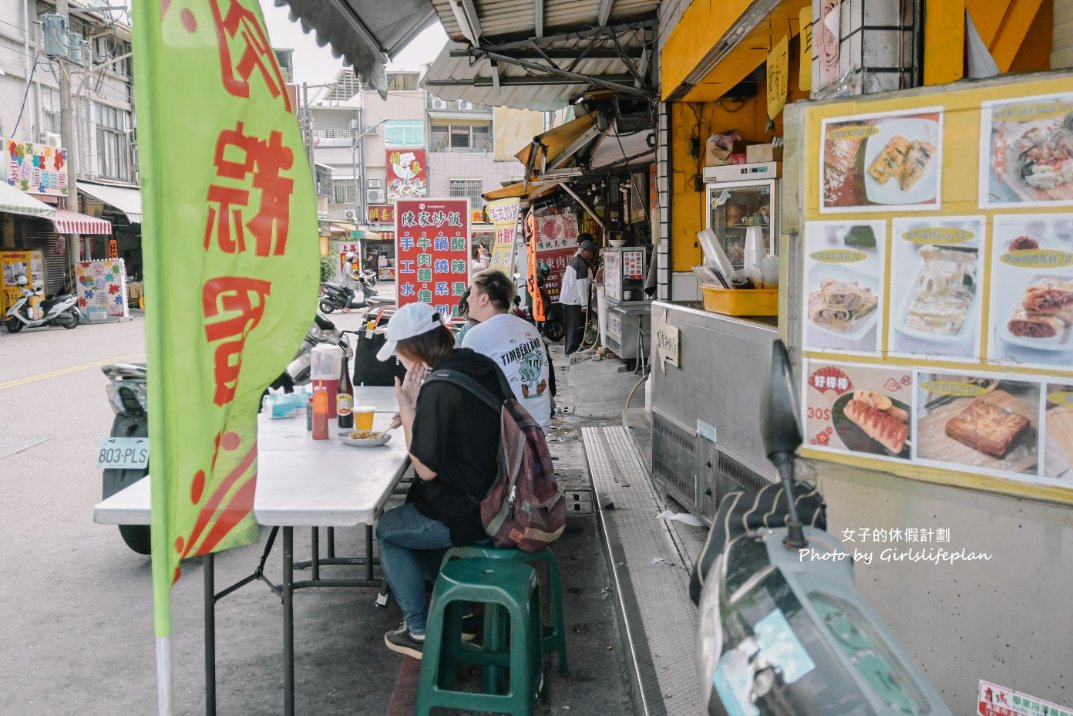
411	320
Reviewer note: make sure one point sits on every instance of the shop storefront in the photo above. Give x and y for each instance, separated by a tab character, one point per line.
924	248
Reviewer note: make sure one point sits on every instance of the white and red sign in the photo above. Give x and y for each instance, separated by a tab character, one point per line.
995	700
556	244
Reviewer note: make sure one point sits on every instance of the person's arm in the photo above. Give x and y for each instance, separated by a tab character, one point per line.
406	394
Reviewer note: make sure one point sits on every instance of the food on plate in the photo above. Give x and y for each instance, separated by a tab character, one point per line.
916	163
365	435
907	161
1023	243
1050	297
861	237
1034	325
838	304
1060	430
1046	155
889	161
944	291
842	153
987	428
877	416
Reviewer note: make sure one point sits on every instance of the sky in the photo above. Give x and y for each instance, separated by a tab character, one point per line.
315	65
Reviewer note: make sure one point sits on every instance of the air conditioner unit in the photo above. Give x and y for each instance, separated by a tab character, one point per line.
373	130
463	104
50	139
438	103
350	214
375	196
374	183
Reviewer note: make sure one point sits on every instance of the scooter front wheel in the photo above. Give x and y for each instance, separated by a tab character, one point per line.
13	325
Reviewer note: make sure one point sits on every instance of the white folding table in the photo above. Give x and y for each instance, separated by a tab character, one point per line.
301	482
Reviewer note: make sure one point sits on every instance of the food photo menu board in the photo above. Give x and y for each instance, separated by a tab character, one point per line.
890	161
844	270
937	316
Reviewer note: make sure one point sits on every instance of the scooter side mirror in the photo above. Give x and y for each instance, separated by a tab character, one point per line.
778	410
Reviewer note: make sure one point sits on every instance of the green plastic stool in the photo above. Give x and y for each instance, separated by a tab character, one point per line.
507	588
554	637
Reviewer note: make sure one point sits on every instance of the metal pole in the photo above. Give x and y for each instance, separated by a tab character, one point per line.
307	126
70	138
362	203
359	214
210	634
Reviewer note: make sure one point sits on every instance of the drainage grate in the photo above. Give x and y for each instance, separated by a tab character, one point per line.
578	502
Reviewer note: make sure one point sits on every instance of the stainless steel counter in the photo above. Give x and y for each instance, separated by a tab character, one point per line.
706	412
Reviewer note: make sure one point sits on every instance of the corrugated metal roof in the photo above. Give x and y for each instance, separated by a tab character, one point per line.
365	34
510	18
546	97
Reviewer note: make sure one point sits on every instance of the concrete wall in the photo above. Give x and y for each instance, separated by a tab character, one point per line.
445	166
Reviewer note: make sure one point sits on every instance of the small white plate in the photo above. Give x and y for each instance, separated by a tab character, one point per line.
892	192
371	442
1062	342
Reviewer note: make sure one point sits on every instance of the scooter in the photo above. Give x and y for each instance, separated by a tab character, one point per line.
60	310
370	277
334	297
123	456
553	327
782	630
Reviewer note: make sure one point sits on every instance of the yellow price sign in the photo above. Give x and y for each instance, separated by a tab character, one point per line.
778	69
838	256
1037	258
938	235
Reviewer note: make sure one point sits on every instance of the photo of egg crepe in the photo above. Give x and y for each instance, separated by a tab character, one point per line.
888	163
838	304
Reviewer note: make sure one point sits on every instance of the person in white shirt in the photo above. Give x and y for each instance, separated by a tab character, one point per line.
350	279
574	294
513	343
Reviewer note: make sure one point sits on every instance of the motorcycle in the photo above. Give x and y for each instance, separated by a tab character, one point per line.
123	456
60	310
370	277
334	297
782	630
553	327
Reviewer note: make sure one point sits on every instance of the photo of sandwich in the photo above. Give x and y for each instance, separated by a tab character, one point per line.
838	305
978	421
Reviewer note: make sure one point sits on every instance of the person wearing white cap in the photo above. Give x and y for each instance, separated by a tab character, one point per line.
453	440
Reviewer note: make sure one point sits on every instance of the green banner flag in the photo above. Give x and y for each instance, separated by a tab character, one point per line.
231	264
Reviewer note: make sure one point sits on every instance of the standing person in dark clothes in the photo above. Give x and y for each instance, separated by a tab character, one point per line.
453	440
574	294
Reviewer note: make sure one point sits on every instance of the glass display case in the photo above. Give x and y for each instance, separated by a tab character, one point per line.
734	206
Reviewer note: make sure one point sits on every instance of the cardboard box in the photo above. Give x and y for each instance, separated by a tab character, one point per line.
760	153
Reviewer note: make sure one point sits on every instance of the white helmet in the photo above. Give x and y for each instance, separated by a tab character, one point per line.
21	280
351	257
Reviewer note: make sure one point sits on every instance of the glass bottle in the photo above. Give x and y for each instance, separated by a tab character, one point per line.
344	400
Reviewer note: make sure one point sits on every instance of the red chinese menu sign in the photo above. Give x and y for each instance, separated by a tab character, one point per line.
432	252
556	245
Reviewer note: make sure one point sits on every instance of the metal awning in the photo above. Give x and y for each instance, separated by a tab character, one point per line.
365	34
128	200
71	222
13	201
556	147
526	191
620	149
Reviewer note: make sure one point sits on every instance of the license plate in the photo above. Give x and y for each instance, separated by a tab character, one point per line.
123	454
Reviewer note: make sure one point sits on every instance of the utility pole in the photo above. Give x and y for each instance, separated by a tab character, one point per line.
67	129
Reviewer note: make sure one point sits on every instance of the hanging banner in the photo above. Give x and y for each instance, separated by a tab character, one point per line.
778	76
432	252
407	174
231	270
556	234
35	168
504	216
102	289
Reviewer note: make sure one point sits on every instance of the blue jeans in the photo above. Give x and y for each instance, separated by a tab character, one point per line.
411	549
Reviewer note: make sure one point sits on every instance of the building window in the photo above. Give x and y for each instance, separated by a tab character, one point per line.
107	48
404	133
50	110
343	192
468	189
401	81
113	143
461	138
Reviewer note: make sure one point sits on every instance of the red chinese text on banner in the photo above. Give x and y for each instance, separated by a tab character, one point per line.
432	252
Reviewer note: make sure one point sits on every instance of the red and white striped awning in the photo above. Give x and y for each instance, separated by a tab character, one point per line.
71	222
